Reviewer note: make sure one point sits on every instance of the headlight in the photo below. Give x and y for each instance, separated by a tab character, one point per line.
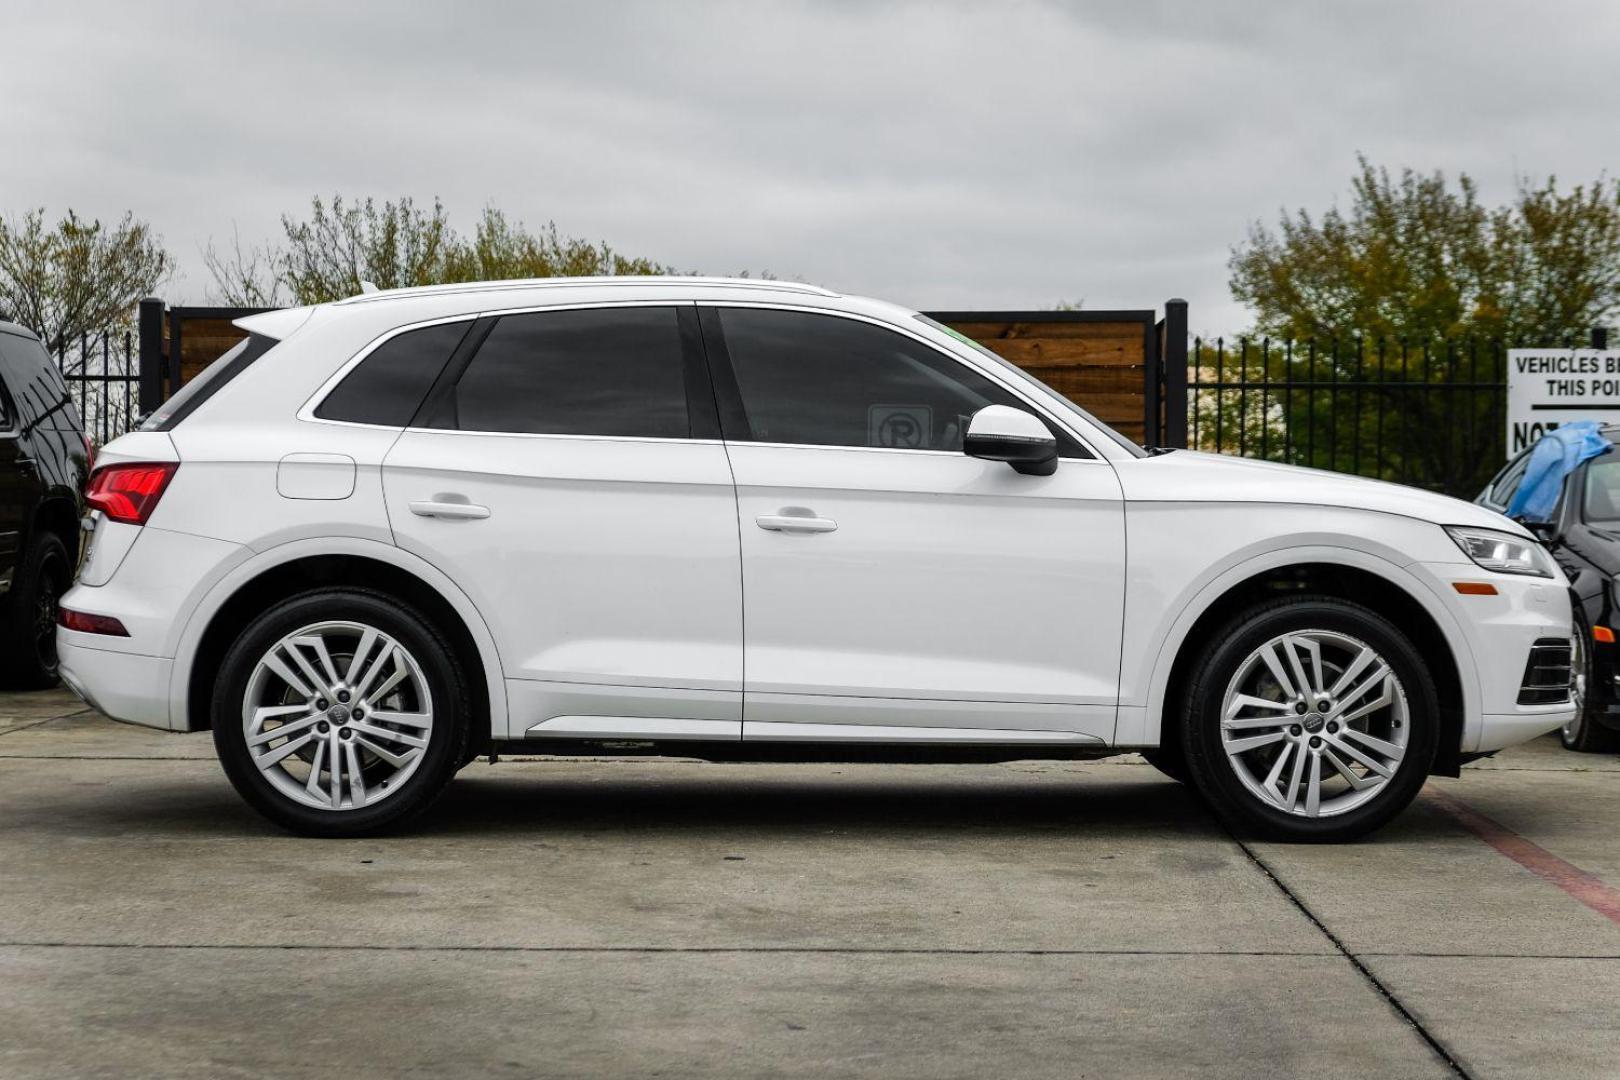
1502	552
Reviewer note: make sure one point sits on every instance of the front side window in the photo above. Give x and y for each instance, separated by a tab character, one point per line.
601	371
822	380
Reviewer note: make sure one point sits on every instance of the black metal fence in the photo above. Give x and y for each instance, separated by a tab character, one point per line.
1431	415
103	379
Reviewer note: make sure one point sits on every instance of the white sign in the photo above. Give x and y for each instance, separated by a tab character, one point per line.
1549	387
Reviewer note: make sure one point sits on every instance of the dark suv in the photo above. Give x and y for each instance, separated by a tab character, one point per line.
44	461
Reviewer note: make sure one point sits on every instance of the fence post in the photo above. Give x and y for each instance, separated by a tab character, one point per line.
1600	337
1152	385
1173	361
151	353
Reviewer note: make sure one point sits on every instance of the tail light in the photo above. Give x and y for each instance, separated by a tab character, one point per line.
129	493
89	453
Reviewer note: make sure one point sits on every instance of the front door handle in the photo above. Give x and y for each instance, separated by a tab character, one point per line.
462	510
795	523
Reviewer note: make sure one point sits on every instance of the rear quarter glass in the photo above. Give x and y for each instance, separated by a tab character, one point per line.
388	386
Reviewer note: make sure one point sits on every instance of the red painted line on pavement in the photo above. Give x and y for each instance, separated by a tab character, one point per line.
1588	889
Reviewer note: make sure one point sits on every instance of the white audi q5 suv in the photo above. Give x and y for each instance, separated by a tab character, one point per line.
757	520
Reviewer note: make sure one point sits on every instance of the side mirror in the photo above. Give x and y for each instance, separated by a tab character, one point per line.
1003	433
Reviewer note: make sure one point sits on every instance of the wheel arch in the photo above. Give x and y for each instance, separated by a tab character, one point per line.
1349	575
294	567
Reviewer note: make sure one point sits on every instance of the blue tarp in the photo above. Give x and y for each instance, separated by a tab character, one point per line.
1554	457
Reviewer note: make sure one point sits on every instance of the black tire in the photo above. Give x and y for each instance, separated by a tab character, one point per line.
446	741
29	633
1215	777
1586	734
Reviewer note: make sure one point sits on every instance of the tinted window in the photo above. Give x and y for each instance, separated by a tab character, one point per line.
828	381
606	371
34	385
389	384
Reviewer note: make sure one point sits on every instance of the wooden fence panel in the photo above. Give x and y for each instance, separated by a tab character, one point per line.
1097	359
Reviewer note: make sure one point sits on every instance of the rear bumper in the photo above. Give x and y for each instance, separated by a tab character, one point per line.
158	583
125	686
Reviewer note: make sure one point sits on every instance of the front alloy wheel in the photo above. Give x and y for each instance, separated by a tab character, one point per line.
1309	718
1315	722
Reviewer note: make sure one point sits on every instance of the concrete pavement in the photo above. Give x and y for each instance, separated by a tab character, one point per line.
597	918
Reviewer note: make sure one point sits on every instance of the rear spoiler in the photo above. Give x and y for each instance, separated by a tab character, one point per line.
277	325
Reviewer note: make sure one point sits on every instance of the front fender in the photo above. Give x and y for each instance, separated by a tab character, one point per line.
1144	695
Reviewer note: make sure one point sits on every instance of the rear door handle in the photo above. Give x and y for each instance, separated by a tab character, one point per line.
467	511
795	523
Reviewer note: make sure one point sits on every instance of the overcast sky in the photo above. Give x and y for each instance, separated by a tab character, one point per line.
986	155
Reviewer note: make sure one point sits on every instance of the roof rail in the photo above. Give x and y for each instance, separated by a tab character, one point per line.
763	284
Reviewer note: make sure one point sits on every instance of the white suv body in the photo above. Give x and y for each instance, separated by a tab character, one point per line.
733	518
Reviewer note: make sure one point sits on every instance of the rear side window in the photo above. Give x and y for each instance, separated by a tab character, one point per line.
604	371
208	382
388	386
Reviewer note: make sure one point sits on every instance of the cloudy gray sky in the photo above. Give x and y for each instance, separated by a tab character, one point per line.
943	155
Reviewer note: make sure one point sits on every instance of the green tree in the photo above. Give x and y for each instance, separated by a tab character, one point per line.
76	277
501	249
398	244
1417	259
394	246
1419	282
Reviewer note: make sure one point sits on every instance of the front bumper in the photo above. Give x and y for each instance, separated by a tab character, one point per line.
1499	631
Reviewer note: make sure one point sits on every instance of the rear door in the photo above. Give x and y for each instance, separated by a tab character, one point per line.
570	478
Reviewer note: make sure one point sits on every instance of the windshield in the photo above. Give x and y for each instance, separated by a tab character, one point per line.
1602	501
1047	392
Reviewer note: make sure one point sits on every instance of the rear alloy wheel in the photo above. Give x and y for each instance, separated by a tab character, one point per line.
1314	720
340	713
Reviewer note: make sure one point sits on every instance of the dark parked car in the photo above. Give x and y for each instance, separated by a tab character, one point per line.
1584	536
44	461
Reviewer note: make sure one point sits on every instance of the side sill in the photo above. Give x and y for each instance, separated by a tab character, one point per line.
785	731
802	753
636	728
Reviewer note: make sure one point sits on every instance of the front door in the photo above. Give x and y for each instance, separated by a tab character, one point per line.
562	481
896	589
